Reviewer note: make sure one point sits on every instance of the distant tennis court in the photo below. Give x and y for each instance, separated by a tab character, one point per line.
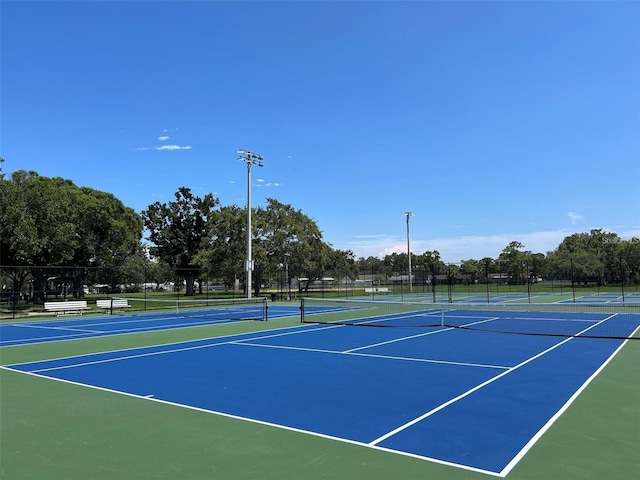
445	386
140	315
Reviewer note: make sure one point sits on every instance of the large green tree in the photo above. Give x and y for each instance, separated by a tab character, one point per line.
51	227
178	230
628	252
430	263
284	240
587	257
514	262
473	268
285	234
109	236
222	254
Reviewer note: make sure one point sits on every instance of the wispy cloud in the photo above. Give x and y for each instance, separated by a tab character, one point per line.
574	217
174	147
166	147
163	138
260	182
455	249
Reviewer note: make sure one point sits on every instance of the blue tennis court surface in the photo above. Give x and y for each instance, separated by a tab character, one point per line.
477	400
19	333
632	297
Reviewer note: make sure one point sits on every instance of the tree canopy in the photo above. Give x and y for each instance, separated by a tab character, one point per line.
178	230
48	223
52	222
282	237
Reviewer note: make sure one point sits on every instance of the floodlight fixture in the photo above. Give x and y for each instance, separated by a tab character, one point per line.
250	157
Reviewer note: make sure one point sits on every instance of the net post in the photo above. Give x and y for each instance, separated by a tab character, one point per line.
265	309
302	310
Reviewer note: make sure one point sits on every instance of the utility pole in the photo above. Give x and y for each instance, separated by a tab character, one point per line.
250	158
409	214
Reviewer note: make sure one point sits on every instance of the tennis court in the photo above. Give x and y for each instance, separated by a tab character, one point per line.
146	316
631	297
445	387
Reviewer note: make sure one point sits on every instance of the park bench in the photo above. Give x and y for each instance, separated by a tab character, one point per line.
61	308
112	304
376	290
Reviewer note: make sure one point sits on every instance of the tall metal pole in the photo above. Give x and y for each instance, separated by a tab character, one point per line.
622	278
250	158
286	270
409	214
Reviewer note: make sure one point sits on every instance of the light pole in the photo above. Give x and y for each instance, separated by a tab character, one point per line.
250	158
408	215
286	269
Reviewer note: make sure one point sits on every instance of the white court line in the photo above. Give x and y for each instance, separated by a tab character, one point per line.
418	335
161	352
505	471
478	387
109	333
43	340
151	398
401	339
70	329
160	345
371	355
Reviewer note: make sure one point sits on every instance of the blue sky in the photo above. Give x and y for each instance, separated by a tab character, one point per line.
490	121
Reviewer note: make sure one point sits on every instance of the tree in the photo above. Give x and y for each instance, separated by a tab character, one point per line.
284	233
587	257
109	235
159	272
50	227
429	262
513	261
473	268
537	266
371	267
223	253
14	233
629	255
489	266
281	236
341	263
179	229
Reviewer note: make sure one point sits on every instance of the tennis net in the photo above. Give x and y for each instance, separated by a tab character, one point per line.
556	319
212	309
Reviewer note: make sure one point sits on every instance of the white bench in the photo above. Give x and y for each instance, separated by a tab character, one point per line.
376	290
60	308
113	304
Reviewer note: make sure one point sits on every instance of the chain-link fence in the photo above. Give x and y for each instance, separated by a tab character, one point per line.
24	288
